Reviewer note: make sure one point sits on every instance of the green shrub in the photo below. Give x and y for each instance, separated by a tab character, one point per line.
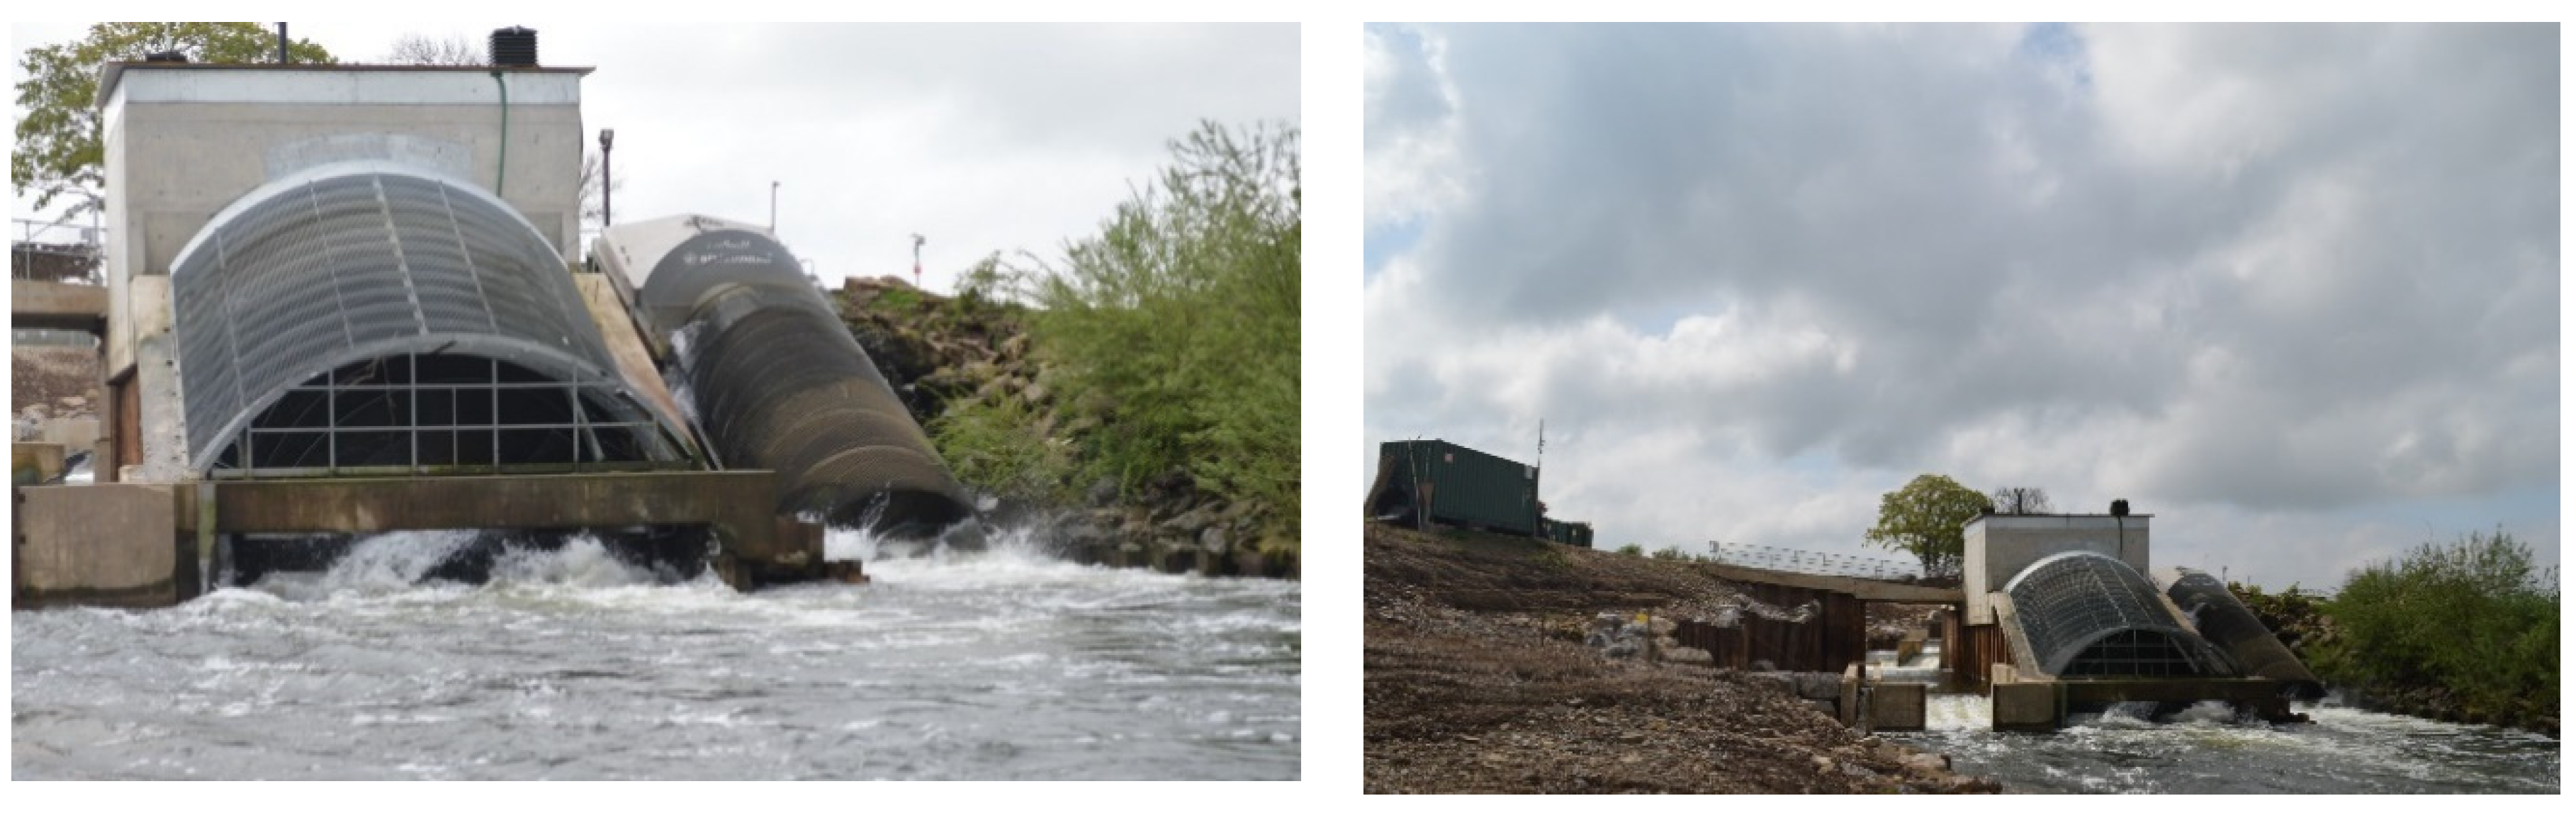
2474	616
996	444
1177	325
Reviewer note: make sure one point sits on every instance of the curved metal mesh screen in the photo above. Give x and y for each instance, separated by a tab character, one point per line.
2089	614
351	262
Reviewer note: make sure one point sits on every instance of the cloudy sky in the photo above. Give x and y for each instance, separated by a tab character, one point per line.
980	137
2293	290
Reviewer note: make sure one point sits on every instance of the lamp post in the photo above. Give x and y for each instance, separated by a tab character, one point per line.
606	137
773	208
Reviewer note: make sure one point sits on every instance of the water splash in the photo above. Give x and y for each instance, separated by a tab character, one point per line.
583	561
383	563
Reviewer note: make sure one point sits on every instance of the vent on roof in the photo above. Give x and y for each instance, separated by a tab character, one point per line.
514	47
166	56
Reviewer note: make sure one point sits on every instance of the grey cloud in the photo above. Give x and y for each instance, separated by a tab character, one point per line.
2277	268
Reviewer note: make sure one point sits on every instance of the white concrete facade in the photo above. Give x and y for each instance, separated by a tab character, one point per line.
2000	546
183	141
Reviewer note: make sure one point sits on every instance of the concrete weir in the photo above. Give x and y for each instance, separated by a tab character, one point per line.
130	545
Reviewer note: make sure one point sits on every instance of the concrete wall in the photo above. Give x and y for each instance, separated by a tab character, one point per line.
108	545
183	142
2000	546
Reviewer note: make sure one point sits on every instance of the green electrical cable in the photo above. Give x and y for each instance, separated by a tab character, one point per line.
501	173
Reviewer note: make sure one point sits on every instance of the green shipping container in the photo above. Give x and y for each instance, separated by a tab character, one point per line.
1578	534
1459	486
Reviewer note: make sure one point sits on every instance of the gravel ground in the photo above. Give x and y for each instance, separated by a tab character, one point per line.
1472	687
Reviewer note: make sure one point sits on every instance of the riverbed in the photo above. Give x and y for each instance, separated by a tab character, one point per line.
1003	664
2207	749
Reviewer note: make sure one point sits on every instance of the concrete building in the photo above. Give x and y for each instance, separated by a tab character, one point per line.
2001	546
184	141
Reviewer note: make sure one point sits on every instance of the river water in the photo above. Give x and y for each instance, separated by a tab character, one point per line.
2205	750
1005	664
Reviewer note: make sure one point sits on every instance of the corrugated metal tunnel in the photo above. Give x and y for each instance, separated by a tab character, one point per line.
369	316
2086	614
778	383
2227	622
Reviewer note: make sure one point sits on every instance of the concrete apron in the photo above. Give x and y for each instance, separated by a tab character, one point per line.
133	545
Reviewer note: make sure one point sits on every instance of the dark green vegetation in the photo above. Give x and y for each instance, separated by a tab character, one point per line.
1168	344
58	151
2465	631
1925	518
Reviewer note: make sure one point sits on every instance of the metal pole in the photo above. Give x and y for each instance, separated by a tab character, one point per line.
607	136
282	57
773	208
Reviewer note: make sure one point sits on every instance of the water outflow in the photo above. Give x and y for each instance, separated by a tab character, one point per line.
2207	748
570	663
777	383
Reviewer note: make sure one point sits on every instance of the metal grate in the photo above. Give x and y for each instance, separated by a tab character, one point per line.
443	414
354	266
2086	613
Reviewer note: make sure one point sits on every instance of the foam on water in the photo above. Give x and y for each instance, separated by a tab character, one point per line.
2209	748
1003	662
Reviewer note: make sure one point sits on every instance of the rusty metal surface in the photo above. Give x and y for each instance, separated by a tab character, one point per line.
1830	634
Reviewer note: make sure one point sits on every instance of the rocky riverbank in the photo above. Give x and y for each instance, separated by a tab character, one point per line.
1473	686
947	355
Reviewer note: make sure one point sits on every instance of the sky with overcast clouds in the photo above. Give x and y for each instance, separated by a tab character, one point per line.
980	137
2293	290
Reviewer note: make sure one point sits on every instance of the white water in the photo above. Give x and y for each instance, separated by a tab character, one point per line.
2207	749
571	664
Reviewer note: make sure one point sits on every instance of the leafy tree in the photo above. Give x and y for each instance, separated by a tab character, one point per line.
58	153
1633	550
2021	500
1927	518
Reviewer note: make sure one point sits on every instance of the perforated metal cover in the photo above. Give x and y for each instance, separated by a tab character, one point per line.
2086	613
363	260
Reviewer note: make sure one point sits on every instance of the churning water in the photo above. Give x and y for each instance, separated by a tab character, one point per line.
2205	749
1004	664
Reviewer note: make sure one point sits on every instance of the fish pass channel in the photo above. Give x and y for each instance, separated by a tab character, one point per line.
1004	664
2205	749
